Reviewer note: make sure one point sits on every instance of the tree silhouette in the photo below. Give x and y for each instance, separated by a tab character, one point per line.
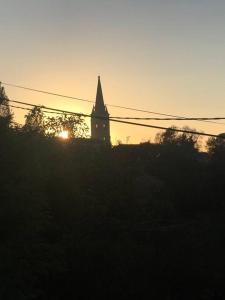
38	122
216	145
5	113
171	137
74	125
35	121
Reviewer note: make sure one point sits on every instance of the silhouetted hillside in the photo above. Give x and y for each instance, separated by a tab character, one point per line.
84	221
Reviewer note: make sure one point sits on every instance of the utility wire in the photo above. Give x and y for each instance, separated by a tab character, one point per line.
29	109
134	118
112	105
174	119
47	92
49	108
120	121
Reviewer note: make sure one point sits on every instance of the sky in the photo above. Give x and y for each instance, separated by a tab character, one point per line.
165	56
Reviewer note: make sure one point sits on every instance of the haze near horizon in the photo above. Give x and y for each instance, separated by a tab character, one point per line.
164	56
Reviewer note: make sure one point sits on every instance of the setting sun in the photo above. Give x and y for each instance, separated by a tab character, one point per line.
64	134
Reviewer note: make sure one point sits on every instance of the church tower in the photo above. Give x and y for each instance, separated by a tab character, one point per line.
100	128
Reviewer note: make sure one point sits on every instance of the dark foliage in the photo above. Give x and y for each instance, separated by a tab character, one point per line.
84	221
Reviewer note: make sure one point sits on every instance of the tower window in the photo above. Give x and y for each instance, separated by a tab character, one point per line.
96	126
103	125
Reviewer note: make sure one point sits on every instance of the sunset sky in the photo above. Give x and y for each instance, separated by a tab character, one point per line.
161	55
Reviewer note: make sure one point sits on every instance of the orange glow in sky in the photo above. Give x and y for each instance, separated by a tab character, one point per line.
165	56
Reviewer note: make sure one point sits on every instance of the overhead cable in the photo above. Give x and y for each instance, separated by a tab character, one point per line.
111	105
120	121
137	118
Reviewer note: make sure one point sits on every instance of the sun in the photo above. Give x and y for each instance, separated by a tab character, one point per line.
64	134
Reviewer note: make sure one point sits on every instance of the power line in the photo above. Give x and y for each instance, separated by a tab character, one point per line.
173	119
29	109
19	107
111	105
47	92
119	121
168	128
49	108
131	118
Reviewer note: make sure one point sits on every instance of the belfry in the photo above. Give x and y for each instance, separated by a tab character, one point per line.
100	127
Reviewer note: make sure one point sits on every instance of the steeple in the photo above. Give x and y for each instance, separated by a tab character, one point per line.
100	127
99	104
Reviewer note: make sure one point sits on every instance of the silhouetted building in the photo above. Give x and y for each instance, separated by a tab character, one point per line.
100	127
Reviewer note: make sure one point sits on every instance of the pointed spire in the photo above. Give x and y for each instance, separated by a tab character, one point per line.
99	104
